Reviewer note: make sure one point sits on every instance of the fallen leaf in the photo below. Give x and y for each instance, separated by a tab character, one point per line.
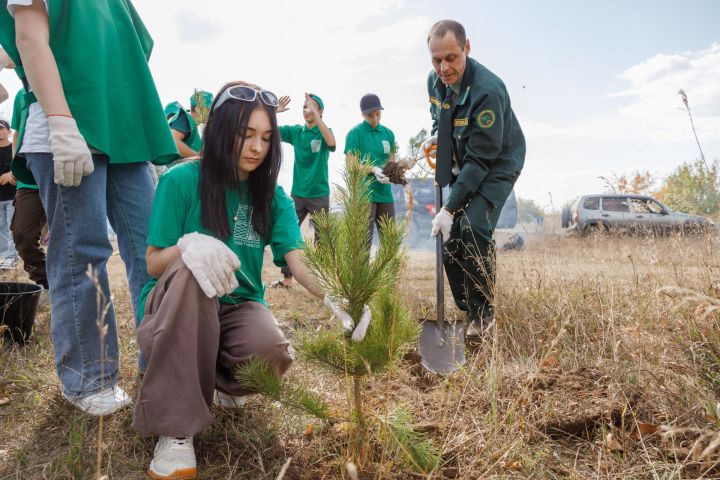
549	362
515	466
612	444
647	428
309	430
4	401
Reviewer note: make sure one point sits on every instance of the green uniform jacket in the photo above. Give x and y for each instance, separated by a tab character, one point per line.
487	141
101	50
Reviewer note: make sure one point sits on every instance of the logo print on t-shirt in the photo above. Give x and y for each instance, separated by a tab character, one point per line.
244	233
386	146
315	146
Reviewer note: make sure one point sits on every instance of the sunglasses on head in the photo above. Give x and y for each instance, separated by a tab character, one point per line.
4	125
247	94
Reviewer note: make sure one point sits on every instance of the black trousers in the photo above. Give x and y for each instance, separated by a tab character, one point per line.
469	257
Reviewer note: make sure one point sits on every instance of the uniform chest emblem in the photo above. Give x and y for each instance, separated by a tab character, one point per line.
486	119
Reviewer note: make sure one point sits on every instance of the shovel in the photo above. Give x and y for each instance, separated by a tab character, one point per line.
441	344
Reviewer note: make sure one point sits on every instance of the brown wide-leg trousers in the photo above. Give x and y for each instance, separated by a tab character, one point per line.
192	344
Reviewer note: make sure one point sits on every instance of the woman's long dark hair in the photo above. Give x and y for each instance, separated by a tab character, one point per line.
222	143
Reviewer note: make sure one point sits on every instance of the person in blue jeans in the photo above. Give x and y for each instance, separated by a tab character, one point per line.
87	144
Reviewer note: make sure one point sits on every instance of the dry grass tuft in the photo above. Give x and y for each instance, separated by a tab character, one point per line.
605	363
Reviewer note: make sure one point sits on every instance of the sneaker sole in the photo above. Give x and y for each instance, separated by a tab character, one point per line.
182	474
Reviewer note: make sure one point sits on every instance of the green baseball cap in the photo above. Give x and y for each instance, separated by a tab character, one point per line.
319	101
206	97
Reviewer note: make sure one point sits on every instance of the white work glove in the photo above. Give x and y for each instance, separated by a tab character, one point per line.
211	262
71	156
429	142
360	330
442	223
379	175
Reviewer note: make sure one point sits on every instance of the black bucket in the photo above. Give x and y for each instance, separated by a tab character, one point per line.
18	303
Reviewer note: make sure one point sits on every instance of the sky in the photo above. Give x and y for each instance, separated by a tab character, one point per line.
593	84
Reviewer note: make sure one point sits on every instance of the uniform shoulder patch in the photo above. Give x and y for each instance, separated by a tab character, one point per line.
485	119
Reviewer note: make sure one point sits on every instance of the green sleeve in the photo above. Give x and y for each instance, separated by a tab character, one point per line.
288	133
170	206
352	145
146	41
432	94
484	145
332	149
17	107
181	124
285	234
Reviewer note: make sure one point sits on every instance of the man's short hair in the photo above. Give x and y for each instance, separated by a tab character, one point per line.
443	26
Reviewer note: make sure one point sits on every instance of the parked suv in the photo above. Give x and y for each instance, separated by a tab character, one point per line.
629	213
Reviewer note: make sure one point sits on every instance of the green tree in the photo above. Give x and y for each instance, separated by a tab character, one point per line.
693	188
529	207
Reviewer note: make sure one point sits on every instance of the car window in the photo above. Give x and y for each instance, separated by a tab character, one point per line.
638	205
615	204
655	207
592	203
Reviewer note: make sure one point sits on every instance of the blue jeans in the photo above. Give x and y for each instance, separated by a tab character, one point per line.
122	193
7	246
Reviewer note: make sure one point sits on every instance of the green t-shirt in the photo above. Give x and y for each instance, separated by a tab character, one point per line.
176	211
310	172
373	146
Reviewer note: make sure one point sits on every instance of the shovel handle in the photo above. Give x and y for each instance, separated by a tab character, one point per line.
439	274
430	155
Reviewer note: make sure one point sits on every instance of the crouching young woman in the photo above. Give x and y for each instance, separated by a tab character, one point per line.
204	311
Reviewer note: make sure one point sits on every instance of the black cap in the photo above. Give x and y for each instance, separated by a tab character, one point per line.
369	103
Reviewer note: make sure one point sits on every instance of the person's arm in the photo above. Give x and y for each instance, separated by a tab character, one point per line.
183	149
32	38
158	259
302	274
326	133
324	130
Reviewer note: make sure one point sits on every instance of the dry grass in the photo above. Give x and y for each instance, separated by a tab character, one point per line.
596	370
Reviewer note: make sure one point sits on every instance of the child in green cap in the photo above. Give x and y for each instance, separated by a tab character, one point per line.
312	143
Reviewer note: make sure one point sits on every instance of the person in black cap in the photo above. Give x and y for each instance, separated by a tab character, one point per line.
374	145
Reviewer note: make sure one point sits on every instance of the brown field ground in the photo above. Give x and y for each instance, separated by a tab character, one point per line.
604	364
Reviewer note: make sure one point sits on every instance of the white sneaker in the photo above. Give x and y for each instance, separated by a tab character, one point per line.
174	459
103	403
225	400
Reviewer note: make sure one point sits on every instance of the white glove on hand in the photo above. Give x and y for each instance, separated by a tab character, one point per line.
347	322
429	142
362	326
379	175
211	262
71	156
442	223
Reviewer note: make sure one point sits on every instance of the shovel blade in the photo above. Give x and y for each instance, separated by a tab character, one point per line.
442	348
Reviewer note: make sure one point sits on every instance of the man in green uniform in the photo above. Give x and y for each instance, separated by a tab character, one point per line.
374	145
312	144
87	145
480	153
